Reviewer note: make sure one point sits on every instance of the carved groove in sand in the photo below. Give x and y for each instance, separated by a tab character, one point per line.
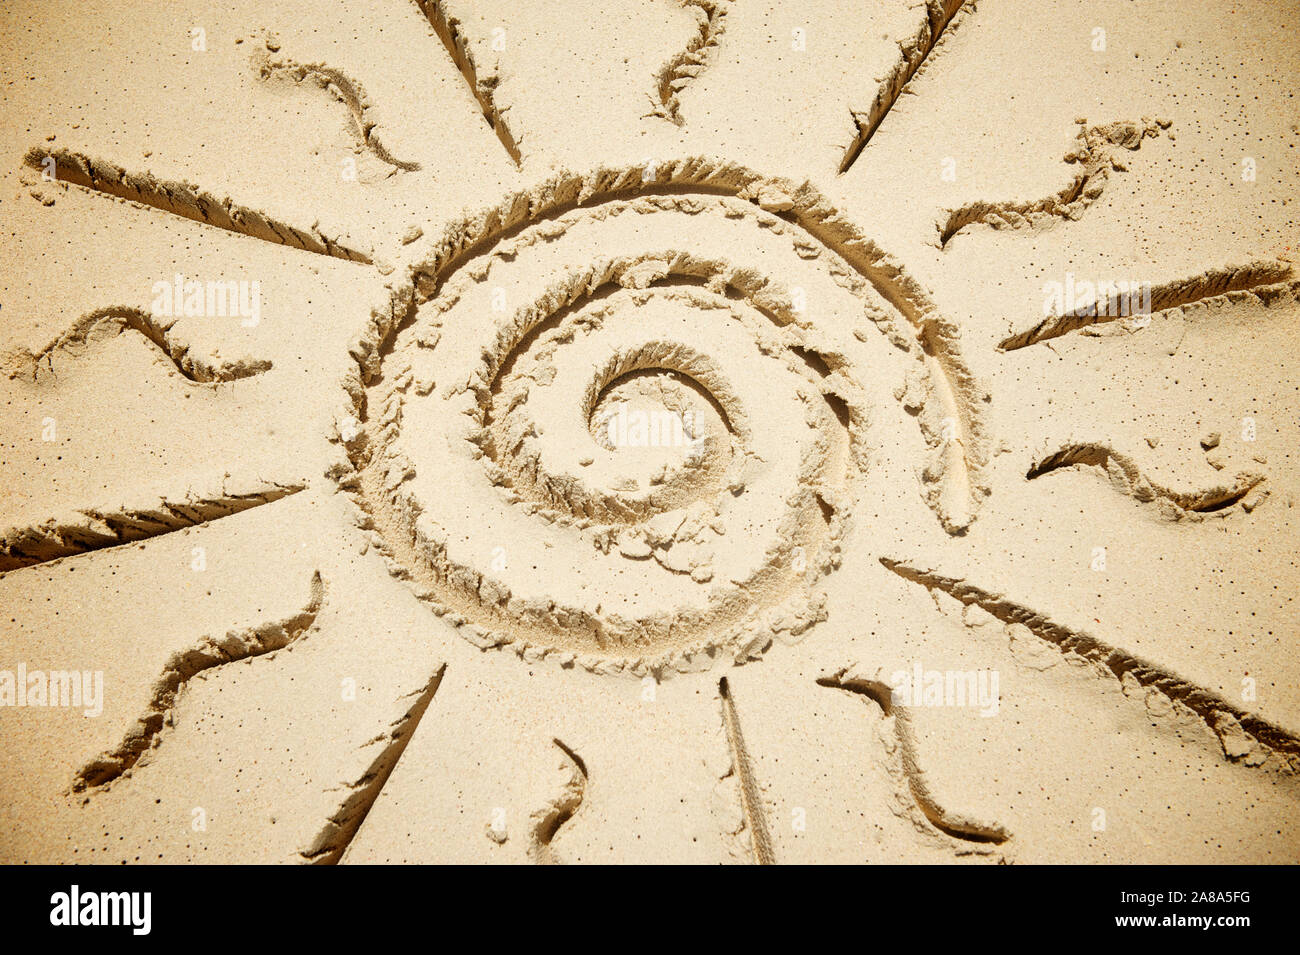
1245	735
678	73
1096	153
184	200
181	667
89	528
915	799
1124	476
482	84
700	293
1268	282
347	91
331	842
548	820
912	56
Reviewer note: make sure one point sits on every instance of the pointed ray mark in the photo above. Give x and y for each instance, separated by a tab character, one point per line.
329	845
912	56
115	320
345	90
751	797
448	29
1095	152
96	530
1265	281
180	668
1126	478
188	202
1228	722
680	70
547	822
952	824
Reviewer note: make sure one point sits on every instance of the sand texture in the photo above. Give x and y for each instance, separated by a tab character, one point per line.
690	431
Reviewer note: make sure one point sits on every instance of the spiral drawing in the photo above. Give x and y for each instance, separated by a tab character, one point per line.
689	431
772	357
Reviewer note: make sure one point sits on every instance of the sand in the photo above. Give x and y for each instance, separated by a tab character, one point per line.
709	431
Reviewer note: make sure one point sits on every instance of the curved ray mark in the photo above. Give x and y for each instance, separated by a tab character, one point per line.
547	821
345	90
677	73
117	320
952	824
1126	478
1094	152
182	666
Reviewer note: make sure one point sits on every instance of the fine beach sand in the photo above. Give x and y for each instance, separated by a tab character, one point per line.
472	431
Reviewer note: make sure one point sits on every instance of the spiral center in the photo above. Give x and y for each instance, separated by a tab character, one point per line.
653	413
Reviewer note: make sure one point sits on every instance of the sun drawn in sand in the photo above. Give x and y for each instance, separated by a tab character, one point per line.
767	367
